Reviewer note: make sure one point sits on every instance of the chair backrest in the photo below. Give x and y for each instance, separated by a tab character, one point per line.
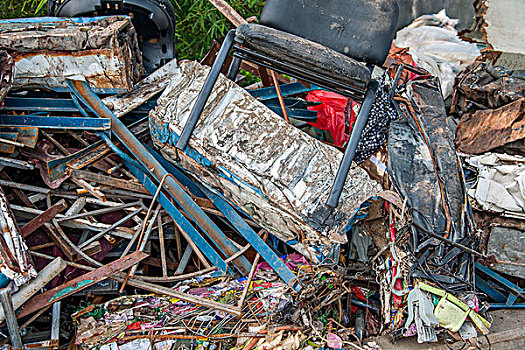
360	29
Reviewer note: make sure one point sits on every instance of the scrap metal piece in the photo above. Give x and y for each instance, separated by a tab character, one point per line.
481	86
6	74
16	163
229	12
180	221
274	172
41	219
109	181
28	290
87	96
237	222
506	245
514	291
486	130
15	264
17	137
102	50
79	283
55	326
70	123
12	325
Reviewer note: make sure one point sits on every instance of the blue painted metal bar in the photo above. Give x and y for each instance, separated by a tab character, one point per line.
179	175
56	105
38	104
176	215
296	113
70	123
490	291
514	290
253	238
84	93
505	306
286	90
106	138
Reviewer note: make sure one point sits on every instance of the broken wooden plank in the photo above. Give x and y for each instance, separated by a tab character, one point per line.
79	283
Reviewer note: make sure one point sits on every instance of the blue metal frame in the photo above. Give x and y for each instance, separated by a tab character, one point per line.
514	290
236	220
253	238
44	104
84	93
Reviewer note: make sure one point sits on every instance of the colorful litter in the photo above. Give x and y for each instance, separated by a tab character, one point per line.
354	196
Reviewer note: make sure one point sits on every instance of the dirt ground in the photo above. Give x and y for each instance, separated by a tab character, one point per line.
507	333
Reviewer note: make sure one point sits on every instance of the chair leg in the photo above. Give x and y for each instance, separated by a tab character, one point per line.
346	163
235	66
206	91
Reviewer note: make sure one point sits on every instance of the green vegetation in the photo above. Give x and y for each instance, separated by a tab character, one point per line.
198	21
22	8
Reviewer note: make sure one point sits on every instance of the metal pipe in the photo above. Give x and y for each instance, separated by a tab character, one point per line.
206	91
12	324
55	326
83	91
234	68
109	229
346	163
184	261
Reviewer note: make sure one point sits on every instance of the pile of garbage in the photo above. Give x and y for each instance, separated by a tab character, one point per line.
112	238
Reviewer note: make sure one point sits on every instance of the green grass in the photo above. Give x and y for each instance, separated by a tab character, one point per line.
198	21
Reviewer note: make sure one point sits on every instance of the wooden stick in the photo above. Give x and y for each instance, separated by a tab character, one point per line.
228	12
280	96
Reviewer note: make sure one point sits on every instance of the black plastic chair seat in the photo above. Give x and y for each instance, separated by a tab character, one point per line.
303	53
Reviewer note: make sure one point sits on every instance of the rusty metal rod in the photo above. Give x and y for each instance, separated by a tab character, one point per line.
110	228
162	247
83	91
41	219
12	325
